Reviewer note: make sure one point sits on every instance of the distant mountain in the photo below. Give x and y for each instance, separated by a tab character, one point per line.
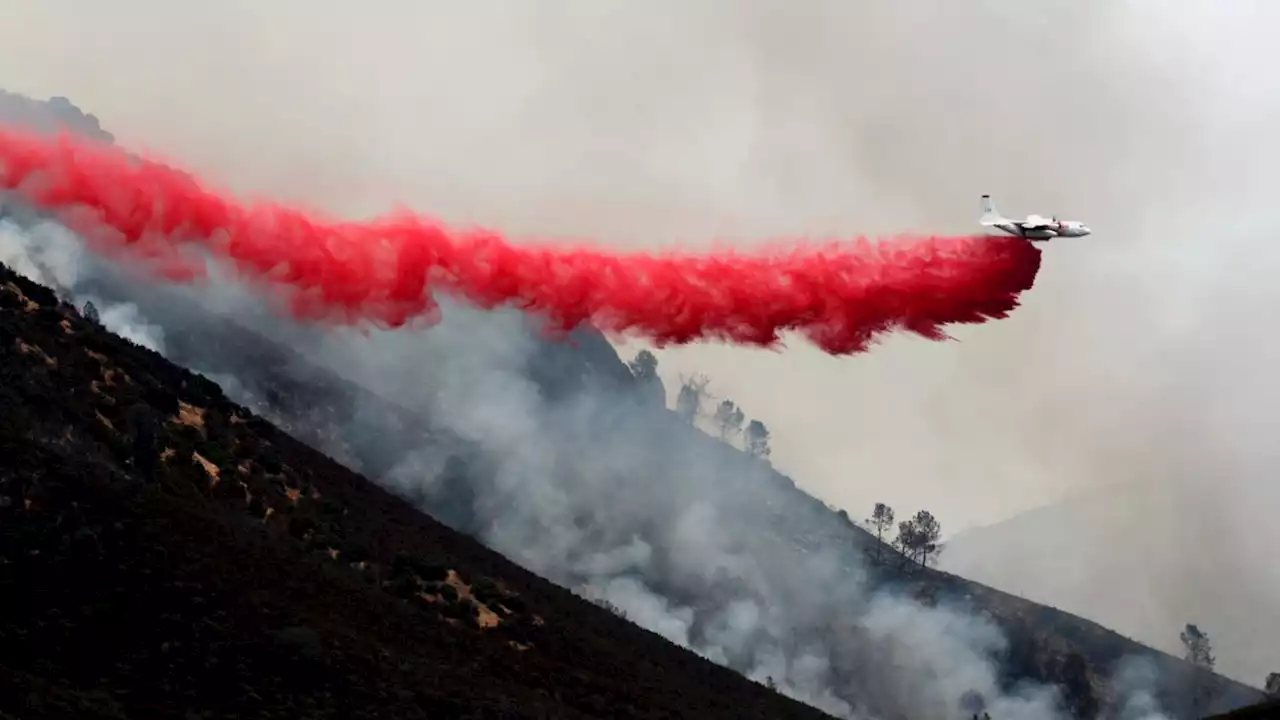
1146	559
553	454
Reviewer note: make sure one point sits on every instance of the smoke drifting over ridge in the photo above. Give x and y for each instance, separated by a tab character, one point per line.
1139	355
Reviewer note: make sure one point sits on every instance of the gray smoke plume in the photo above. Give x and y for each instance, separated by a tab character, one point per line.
1135	680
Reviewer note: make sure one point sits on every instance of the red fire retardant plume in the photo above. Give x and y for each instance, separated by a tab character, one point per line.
840	295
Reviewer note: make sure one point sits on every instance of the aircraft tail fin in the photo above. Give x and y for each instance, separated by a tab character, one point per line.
991	216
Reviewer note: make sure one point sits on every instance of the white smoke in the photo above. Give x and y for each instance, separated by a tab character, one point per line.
1135	681
49	254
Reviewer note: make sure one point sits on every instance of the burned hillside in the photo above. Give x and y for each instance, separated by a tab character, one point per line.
169	553
1041	645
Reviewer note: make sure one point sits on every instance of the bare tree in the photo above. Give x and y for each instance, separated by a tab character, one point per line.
758	439
1272	686
728	419
882	520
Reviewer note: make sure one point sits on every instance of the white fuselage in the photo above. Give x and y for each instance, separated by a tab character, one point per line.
1038	228
1035	227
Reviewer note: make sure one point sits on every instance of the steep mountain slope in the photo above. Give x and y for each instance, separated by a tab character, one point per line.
1043	645
1167	552
1269	710
166	552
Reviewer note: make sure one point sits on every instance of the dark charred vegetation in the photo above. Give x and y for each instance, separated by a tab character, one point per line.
166	553
1268	710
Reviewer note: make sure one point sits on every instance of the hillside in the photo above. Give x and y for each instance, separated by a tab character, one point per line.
553	455
1168	552
794	530
173	553
1268	710
1044	645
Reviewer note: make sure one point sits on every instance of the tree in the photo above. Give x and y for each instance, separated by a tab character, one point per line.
928	530
644	366
905	542
91	313
882	520
1199	652
758	439
689	402
918	537
728	419
1272	686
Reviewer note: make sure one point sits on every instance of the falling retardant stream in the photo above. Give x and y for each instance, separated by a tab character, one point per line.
840	295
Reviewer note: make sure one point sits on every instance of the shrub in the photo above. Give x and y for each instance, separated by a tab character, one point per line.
448	593
215	453
300	525
354	552
271	462
457	608
486	591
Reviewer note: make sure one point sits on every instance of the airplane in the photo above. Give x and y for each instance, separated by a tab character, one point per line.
1034	228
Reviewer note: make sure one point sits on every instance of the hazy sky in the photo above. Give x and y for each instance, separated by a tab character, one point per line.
650	124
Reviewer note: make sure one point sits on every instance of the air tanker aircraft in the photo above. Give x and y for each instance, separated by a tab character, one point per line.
1034	227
